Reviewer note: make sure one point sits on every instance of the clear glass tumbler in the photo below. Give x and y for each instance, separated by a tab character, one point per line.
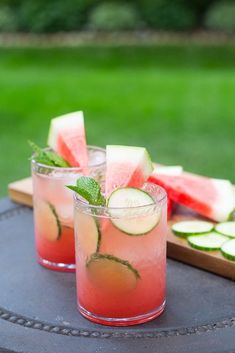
121	278
53	209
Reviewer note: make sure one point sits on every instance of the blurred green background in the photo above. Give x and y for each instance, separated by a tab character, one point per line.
59	15
177	100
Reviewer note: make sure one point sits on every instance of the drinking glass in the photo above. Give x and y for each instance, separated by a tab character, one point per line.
53	209
121	277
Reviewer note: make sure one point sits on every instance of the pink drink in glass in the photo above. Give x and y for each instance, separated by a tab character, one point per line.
53	210
121	278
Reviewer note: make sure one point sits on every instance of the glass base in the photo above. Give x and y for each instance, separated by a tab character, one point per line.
129	321
56	266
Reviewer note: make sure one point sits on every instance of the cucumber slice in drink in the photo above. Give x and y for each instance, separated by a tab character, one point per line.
228	249
226	228
128	212
111	274
208	242
47	221
88	234
186	228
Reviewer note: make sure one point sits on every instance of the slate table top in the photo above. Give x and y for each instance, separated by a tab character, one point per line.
38	311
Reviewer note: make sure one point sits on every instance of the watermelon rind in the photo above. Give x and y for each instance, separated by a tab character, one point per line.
59	123
225	205
217	205
67	137
168	170
125	162
116	153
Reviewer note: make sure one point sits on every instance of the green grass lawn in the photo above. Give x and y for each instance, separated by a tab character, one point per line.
176	101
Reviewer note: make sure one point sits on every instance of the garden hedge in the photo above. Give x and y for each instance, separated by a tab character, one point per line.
103	15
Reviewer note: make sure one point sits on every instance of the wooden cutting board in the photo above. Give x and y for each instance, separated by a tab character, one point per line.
21	191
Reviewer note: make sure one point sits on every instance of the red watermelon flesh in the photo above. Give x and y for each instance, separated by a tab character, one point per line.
212	198
167	170
70	145
170	207
67	137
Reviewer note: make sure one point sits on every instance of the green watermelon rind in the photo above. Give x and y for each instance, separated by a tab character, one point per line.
55	137
179	192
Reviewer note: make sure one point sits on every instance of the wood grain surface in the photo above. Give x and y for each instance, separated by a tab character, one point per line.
21	191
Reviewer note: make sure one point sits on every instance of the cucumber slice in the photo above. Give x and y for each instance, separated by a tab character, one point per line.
133	221
47	221
111	274
88	234
186	228
228	249
208	242
226	228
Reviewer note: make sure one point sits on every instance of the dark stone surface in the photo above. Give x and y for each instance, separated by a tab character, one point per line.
38	307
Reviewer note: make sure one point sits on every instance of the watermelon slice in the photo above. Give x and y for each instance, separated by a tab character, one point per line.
67	137
126	166
167	170
212	198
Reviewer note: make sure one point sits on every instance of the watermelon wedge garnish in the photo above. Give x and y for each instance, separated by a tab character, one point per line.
126	166
67	137
167	170
212	198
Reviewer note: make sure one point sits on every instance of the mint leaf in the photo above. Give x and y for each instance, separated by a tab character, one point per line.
90	190
73	187
35	148
50	158
57	159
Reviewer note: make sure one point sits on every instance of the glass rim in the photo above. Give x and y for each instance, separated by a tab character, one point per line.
79	201
67	169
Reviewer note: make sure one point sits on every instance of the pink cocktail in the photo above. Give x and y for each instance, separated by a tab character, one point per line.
121	260
53	209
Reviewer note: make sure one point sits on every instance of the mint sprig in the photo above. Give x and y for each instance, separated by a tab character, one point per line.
50	158
90	190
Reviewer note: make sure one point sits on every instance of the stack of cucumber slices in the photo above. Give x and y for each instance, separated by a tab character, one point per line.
207	236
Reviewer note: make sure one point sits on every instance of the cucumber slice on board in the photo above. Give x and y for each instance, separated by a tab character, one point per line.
88	234
111	274
186	228
126	215
208	242
47	221
228	249
226	228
